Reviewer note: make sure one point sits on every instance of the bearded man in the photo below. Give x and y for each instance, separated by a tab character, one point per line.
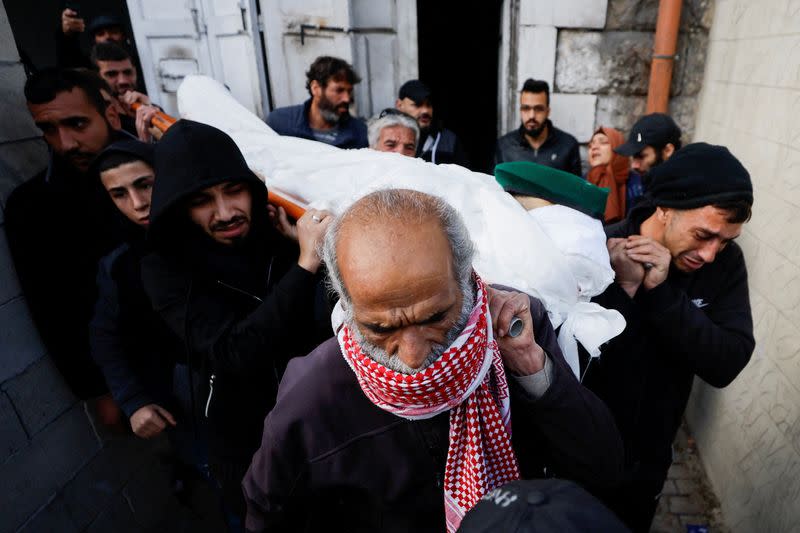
404	420
325	117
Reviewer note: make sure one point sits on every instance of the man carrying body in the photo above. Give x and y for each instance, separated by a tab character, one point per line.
681	284
436	143
404	421
58	228
325	117
239	295
393	131
114	65
537	140
653	140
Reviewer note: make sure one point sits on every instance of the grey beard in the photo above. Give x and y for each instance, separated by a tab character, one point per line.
393	362
330	116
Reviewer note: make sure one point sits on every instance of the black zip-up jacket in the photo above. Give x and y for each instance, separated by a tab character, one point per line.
134	349
331	460
445	147
560	150
241	312
695	324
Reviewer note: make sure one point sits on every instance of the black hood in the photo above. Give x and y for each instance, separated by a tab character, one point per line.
189	158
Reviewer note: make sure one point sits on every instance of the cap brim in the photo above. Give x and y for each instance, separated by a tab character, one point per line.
630	148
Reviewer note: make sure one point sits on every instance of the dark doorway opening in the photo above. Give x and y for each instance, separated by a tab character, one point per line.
459	44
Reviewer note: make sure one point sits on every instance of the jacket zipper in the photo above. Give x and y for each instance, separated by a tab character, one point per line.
214	376
240	291
210	391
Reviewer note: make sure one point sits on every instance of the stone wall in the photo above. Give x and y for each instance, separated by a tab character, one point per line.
59	469
749	433
596	56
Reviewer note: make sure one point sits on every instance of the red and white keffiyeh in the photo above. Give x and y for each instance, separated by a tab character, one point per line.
469	381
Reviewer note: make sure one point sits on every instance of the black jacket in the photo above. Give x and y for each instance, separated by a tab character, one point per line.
696	324
130	343
331	460
241	311
59	226
444	147
560	150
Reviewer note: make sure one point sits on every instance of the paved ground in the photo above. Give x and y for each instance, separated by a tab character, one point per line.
688	499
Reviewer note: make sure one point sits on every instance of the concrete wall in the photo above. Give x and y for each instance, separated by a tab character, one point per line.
749	433
60	470
596	56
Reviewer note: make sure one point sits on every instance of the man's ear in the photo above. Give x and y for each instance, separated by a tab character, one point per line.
112	116
667	151
398	104
316	88
662	214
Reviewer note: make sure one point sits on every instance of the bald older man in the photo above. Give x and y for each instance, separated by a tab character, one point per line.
404	420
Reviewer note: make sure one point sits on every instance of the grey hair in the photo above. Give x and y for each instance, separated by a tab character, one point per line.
403	206
377	123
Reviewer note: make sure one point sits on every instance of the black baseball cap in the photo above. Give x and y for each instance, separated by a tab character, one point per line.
416	91
104	21
540	506
655	129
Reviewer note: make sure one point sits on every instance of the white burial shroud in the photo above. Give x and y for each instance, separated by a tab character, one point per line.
513	249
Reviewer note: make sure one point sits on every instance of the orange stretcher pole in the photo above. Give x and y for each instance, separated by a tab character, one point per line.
294	207
161	120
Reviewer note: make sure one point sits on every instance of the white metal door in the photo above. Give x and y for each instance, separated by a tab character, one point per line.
379	37
176	38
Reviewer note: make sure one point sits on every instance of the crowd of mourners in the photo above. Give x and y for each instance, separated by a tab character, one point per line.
351	371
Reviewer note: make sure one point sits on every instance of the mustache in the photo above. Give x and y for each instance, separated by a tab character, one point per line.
226	224
426	116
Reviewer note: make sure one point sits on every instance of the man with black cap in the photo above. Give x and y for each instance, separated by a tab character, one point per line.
436	144
101	29
537	140
653	140
325	116
540	506
240	296
681	284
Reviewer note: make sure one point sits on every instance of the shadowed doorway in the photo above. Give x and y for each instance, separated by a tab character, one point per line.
459	43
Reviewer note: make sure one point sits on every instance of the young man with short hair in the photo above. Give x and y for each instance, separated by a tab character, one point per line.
133	348
325	117
58	228
537	140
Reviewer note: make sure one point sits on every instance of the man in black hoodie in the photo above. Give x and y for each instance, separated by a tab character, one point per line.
681	283
132	346
230	286
58	228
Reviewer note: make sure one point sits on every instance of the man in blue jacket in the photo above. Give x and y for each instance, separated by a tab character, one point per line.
325	117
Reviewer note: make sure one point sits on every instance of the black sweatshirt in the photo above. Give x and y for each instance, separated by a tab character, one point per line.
693	324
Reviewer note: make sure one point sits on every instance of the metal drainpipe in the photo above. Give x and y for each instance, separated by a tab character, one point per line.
665	45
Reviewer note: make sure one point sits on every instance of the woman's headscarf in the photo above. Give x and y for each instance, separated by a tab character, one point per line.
613	176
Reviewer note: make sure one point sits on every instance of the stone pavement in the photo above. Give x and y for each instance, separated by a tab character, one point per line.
687	498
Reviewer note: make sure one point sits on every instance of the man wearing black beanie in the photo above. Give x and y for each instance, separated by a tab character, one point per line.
681	284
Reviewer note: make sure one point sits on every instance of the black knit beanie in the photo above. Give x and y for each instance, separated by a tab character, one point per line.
697	175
